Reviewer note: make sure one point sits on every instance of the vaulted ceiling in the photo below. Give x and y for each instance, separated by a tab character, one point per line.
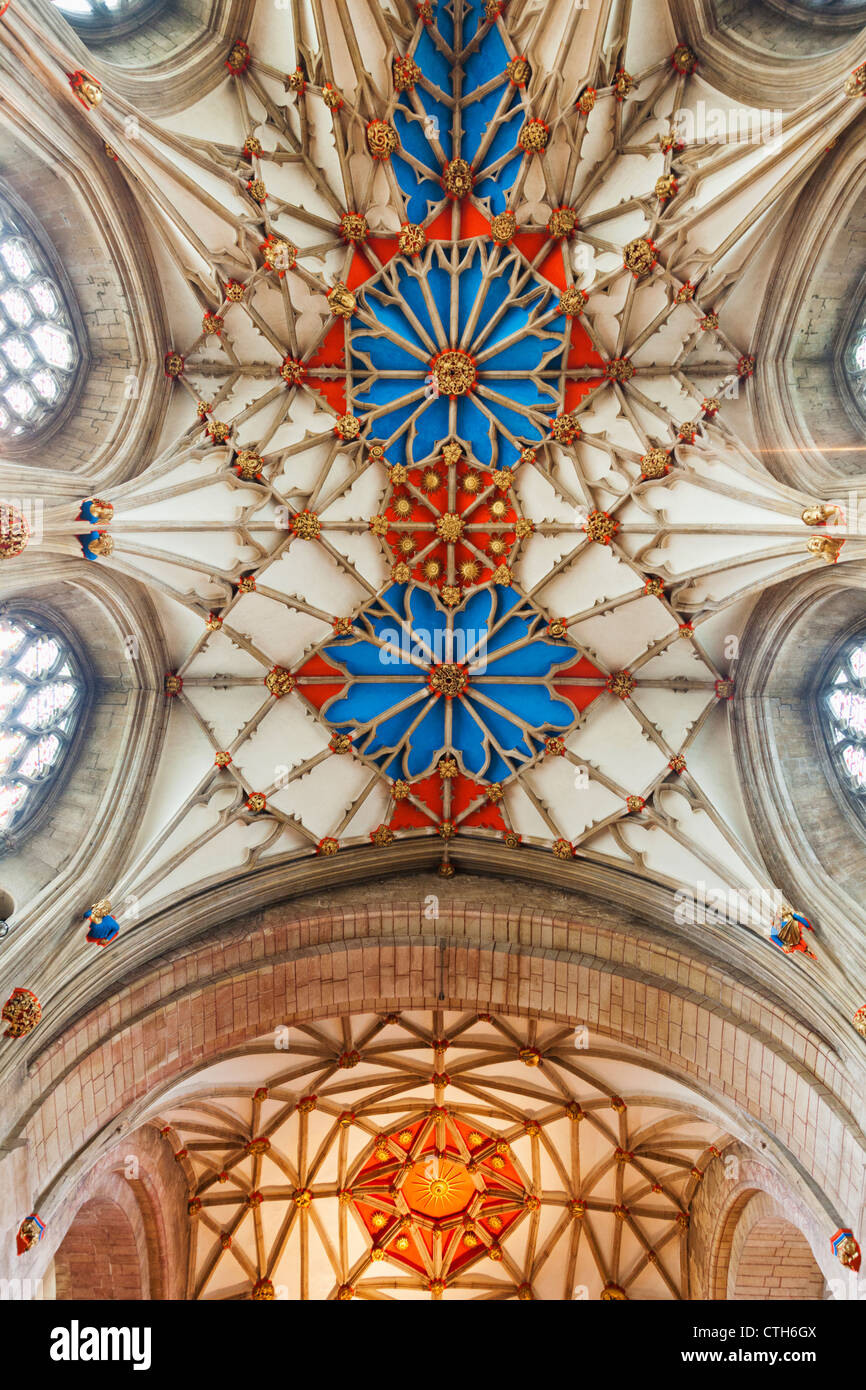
454	531
431	1155
427	512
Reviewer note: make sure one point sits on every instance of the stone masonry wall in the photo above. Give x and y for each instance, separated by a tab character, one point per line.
773	32
171	29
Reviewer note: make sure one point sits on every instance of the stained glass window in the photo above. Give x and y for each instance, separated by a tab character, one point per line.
857	358
38	351
854	359
845	715
40	704
105	11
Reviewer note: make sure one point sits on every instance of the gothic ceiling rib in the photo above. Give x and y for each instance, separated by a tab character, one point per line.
431	1155
452	531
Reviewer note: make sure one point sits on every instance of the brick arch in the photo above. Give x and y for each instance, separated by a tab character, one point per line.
789	1256
98	1257
138	1178
759	1251
295	962
770	1257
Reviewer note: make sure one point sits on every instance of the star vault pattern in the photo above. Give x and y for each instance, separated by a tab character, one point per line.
431	1156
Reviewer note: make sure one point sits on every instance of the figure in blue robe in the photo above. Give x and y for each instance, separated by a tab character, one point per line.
103	928
96	543
95	510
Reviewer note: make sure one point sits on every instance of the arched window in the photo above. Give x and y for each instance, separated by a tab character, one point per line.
41	690
855	362
38	352
108	16
844	711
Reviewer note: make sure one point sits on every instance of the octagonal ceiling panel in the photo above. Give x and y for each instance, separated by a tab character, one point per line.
437	1155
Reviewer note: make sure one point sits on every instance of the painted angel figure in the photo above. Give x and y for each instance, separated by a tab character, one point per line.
787	932
103	928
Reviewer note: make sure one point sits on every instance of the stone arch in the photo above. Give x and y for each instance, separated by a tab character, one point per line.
50	618
119	733
828	726
165	63
804	327
296	961
781	29
770	1257
98	1257
101	29
59	170
828	306
761	1253
769	54
24	213
812	836
789	1254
